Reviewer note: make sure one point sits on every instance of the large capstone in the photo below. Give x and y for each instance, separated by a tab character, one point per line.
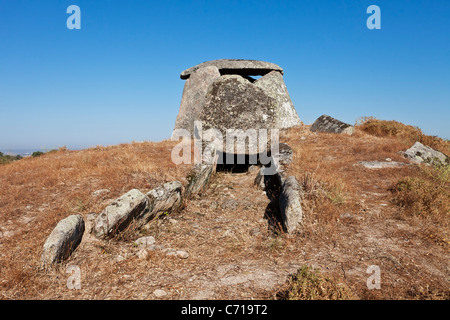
236	66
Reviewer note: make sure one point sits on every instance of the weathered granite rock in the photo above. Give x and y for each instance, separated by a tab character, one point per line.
419	153
233	102
328	124
198	178
145	242
63	240
236	66
194	94
290	204
120	213
165	198
284	157
273	85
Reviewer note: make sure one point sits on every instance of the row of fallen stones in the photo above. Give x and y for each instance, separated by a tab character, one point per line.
289	198
132	207
418	153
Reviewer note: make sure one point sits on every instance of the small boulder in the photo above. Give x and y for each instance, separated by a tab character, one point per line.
163	199
63	240
145	242
328	124
419	153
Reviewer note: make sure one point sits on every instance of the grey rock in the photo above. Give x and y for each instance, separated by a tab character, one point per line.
120	213
284	156
328	124
163	199
419	153
63	240
194	94
381	164
274	86
233	102
145	242
236	66
198	179
290	204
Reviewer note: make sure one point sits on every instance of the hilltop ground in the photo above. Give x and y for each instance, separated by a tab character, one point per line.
395	218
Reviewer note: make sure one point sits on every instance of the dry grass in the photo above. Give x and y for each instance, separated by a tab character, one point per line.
38	192
310	284
352	220
406	133
342	199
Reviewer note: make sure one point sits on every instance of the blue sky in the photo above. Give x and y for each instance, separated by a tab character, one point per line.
117	79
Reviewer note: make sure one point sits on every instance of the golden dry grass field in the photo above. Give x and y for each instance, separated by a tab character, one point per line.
354	217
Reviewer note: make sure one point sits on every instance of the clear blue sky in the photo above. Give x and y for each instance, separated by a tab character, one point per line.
117	79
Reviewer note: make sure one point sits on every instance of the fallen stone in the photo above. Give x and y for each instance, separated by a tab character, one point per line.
328	124
63	240
273	85
236	66
163	199
419	153
381	164
120	213
290	204
194	94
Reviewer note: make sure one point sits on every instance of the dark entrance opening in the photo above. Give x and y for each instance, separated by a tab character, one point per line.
236	163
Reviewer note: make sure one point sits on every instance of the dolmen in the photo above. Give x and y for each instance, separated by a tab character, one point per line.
224	94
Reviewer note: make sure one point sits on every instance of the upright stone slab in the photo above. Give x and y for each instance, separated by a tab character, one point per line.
329	124
63	240
273	85
233	102
194	94
118	215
